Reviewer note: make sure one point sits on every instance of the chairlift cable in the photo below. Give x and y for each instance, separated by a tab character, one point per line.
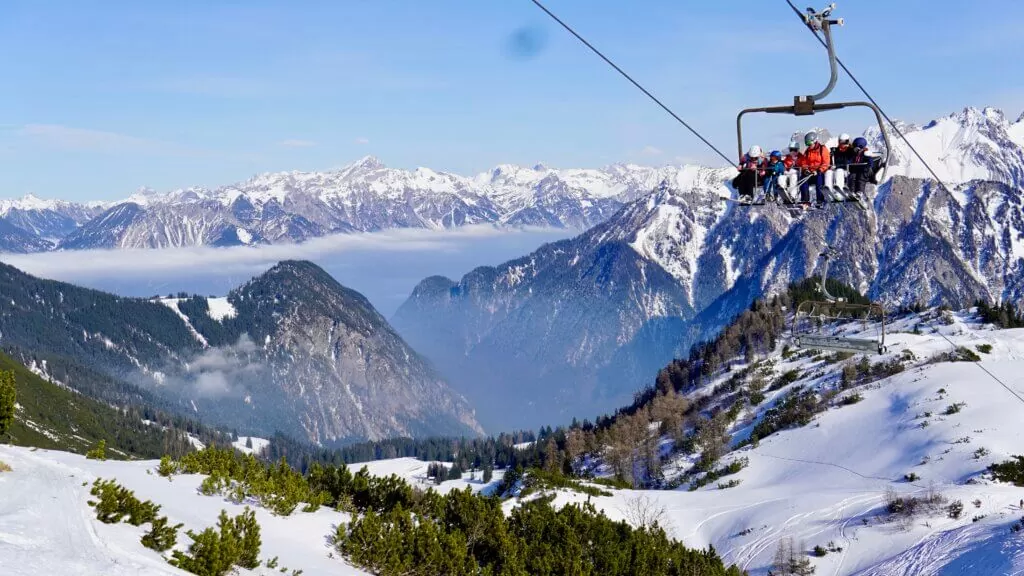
986	370
872	100
728	160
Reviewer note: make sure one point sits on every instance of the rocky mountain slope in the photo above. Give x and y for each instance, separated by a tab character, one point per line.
291	350
585	321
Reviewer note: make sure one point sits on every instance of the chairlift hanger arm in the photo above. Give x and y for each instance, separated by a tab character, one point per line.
821	20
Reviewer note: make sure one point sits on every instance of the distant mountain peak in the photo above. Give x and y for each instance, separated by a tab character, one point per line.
368	162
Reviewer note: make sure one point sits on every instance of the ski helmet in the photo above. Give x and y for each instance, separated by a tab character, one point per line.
810	138
794	145
844	138
775	154
860	142
755	151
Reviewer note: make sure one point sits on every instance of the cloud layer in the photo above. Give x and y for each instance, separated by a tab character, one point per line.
384	266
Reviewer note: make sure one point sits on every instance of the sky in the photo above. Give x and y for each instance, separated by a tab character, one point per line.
103	97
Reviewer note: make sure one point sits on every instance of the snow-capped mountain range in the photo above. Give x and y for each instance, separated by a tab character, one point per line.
295	206
584	322
367	196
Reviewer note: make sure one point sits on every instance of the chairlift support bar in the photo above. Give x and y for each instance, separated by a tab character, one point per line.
809	105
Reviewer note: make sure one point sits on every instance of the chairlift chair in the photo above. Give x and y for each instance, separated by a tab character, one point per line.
811	104
817	323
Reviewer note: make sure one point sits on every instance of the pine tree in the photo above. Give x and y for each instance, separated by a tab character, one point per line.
108	507
248	532
167	467
205	556
140	513
98	453
161	537
8	396
488	473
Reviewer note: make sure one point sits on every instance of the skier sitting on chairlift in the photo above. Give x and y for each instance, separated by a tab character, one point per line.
774	170
842	156
813	163
864	167
791	176
751	168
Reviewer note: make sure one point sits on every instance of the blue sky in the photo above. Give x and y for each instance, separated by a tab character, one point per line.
101	97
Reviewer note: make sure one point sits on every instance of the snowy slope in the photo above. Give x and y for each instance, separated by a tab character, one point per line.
819	483
48	485
258	444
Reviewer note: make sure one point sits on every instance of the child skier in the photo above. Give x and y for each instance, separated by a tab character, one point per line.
774	170
862	166
791	177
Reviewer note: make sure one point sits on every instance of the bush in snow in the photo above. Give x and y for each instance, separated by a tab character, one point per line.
955	509
1009	471
161	535
851	399
905	508
984	348
4	467
215	552
99	452
784	380
167	467
954	408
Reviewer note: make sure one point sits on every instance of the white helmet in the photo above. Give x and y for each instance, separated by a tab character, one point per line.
844	138
755	151
794	145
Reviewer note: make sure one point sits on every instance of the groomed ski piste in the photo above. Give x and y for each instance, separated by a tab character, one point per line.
819	484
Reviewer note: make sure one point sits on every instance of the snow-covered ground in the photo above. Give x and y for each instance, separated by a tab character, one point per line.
47	527
825	482
820	483
258	444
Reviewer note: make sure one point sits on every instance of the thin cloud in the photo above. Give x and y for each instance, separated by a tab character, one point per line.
83	138
296	143
651	151
362	140
246	260
71	138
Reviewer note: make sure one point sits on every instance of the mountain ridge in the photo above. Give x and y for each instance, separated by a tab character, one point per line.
920	243
290	350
